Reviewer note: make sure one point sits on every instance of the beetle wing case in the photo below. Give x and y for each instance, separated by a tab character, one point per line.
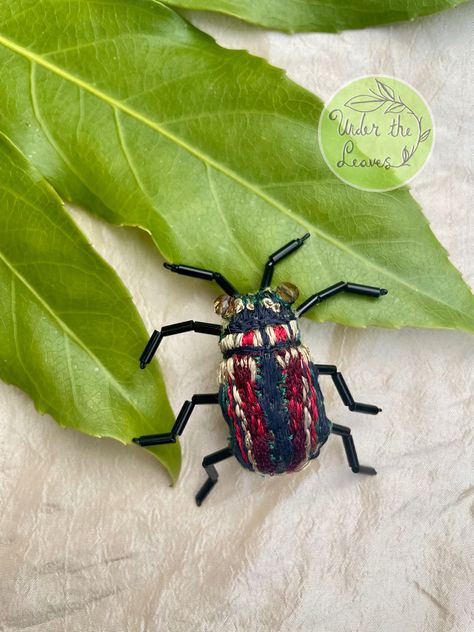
274	408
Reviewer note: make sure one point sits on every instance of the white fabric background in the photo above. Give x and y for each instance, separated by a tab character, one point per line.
93	538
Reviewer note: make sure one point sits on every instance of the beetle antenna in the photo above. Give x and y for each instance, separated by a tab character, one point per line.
278	256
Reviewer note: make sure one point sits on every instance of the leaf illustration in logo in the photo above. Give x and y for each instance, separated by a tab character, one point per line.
405	154
364	103
385	91
425	135
395	108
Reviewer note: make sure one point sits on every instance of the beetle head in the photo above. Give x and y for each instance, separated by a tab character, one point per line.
251	311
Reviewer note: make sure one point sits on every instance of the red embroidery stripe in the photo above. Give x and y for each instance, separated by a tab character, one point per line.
280	333
254	415
294	396
247	339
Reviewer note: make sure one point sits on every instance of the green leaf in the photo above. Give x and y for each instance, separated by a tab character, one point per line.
130	111
319	15
70	336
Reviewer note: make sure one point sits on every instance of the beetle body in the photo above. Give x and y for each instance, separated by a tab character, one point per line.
268	388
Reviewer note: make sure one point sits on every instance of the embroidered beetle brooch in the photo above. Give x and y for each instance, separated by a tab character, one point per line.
269	391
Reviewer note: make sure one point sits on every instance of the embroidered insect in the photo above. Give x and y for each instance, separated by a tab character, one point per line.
269	390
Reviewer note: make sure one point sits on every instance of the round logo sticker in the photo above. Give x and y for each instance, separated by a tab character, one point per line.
376	133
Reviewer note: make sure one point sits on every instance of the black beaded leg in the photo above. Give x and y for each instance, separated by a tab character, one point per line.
277	256
351	453
207	275
171	330
208	465
180	423
342	286
344	392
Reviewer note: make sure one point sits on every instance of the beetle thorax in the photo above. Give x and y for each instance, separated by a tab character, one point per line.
260	321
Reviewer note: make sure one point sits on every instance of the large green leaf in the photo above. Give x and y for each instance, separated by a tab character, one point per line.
70	336
319	15
144	120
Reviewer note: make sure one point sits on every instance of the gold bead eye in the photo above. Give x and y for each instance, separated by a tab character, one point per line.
224	306
287	292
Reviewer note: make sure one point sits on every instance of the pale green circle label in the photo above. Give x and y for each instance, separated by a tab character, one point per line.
376	133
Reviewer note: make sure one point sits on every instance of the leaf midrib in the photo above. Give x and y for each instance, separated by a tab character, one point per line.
114	103
69	331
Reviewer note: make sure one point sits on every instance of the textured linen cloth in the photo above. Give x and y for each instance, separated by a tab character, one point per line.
94	539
